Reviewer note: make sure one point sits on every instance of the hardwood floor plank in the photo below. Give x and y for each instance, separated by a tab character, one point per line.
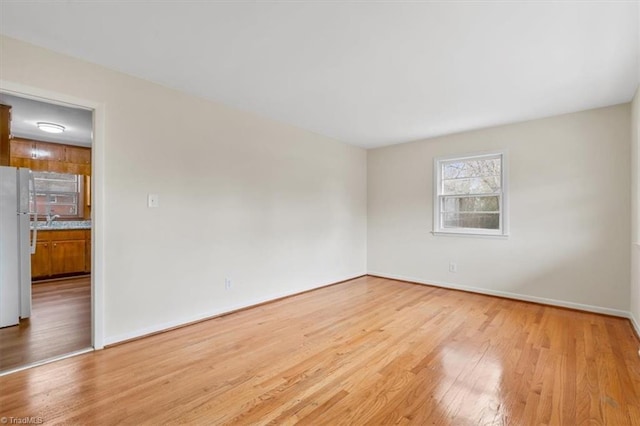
370	351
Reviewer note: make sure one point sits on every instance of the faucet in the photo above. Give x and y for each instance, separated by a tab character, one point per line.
50	218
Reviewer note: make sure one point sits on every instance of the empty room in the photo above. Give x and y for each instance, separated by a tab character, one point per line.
320	212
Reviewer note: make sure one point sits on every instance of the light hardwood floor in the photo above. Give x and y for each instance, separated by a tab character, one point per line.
60	323
370	351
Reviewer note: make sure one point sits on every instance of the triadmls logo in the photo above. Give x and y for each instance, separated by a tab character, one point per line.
27	420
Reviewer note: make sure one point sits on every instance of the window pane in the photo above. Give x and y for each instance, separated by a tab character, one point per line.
474	185
469	195
471	168
471	204
55	176
63	198
474	176
51	181
471	220
59	209
57	193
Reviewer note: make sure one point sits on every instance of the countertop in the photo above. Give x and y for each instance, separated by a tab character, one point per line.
57	225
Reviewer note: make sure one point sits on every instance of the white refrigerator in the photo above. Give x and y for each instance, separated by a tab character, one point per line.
17	243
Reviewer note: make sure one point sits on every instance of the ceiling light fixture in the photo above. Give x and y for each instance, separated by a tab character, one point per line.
50	127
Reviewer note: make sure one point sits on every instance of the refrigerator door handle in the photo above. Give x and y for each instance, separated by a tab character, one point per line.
34	212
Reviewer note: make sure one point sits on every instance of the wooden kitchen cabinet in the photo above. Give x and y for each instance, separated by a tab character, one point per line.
51	152
51	157
78	160
22	148
67	257
45	151
60	253
5	134
41	260
87	252
77	155
34	150
33	155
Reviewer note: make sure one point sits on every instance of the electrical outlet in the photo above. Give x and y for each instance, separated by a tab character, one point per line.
227	284
453	267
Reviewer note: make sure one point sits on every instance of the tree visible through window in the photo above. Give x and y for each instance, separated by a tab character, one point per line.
469	196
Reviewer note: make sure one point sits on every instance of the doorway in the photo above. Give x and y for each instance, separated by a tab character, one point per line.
64	319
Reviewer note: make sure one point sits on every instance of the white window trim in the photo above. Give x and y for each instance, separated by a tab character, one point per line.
503	231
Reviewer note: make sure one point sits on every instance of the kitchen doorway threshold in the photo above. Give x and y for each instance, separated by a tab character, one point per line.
45	361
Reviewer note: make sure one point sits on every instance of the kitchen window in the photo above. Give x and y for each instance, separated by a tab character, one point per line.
470	195
59	194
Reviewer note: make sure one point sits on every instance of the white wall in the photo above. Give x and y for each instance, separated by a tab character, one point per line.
274	208
635	215
569	180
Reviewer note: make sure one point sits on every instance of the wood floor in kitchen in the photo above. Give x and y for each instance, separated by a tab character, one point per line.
370	351
60	323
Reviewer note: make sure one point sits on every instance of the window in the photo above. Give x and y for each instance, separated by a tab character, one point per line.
470	195
58	193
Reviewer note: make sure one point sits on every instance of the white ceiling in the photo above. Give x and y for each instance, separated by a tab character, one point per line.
26	113
367	73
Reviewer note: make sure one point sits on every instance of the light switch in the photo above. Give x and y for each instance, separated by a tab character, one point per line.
153	200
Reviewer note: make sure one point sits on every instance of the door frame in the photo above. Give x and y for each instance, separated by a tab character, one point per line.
97	192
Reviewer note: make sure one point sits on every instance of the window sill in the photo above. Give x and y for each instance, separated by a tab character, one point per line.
468	234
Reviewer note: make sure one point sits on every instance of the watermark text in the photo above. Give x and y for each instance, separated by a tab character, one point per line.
27	420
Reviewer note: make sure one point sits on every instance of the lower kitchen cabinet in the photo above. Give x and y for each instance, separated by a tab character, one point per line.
87	252
67	257
41	260
60	253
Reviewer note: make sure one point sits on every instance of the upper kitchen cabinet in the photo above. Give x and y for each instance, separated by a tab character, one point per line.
5	134
77	155
34	150
52	157
79	159
50	152
22	148
21	152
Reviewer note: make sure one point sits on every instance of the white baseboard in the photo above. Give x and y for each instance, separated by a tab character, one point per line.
110	340
508	295
634	323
